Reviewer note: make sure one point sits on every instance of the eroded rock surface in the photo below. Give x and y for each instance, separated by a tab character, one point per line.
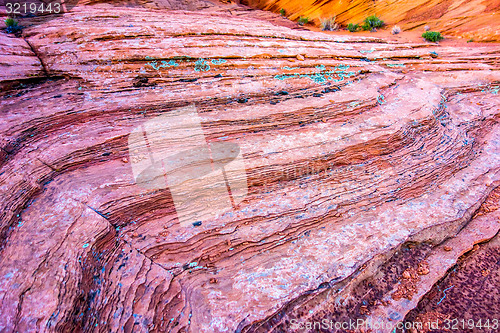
472	19
355	150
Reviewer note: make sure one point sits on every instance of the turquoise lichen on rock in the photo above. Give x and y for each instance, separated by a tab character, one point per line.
201	65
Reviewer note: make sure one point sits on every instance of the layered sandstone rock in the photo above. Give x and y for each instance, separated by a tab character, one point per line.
361	157
475	19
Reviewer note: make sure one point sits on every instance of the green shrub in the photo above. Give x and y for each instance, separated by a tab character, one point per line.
303	20
282	12
12	25
353	27
372	22
432	36
329	24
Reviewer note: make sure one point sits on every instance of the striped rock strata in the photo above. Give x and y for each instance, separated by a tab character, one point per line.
361	158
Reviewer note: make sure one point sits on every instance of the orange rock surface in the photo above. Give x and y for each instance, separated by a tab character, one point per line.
362	156
470	19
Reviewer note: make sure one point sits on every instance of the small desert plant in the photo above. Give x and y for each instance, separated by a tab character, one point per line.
372	22
396	30
303	20
352	27
432	36
282	12
12	25
329	24
470	40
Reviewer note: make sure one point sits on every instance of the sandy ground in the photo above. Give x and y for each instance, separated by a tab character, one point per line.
413	36
410	36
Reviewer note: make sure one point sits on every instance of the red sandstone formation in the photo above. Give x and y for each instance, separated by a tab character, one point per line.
471	19
372	168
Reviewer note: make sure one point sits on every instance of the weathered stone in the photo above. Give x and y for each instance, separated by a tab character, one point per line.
402	147
474	19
